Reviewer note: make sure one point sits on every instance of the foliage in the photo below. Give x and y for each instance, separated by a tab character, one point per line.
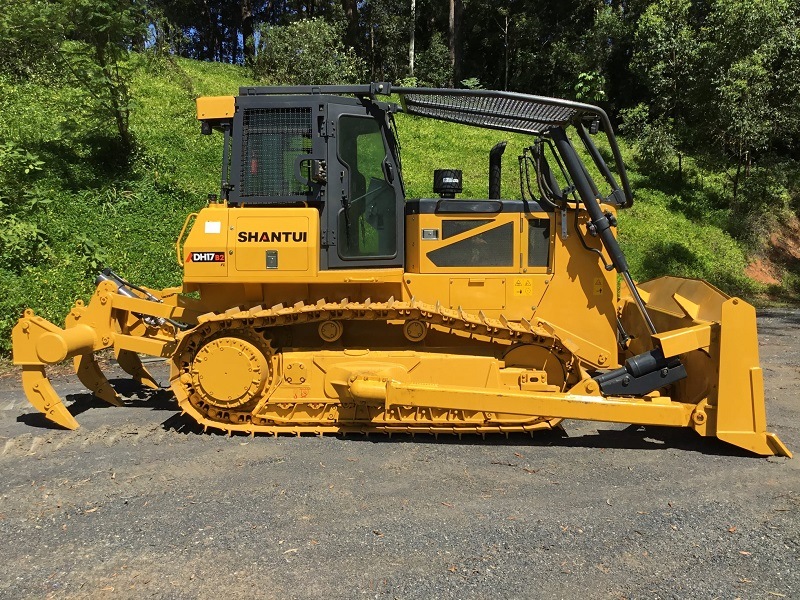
764	201
30	31
305	52
653	139
590	87
472	83
104	32
100	159
433	63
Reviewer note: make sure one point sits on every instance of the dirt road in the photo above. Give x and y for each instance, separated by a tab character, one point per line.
138	504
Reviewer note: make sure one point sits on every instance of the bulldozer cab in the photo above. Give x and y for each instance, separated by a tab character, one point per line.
334	148
335	153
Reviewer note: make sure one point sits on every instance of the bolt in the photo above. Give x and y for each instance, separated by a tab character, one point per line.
626	380
591	386
103	300
664	372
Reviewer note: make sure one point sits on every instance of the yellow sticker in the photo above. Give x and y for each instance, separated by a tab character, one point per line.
598	286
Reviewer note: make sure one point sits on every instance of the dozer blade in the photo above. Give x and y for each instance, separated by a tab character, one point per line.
716	339
92	377
130	362
44	398
741	411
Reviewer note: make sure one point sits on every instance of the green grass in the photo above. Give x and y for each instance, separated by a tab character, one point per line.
98	210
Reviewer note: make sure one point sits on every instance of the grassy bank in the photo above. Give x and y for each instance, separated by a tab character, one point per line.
81	206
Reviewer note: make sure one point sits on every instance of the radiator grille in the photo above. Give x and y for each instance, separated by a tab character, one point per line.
272	139
538	242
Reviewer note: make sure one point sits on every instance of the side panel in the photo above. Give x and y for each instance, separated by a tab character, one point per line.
205	252
273	240
516	263
252	245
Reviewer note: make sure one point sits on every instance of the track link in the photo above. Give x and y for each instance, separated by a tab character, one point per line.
266	418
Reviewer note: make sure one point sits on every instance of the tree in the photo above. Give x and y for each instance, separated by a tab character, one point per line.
454	39
248	30
101	34
666	56
385	44
31	32
351	17
749	81
412	28
305	52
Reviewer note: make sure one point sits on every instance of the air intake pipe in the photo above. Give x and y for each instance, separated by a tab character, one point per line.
496	169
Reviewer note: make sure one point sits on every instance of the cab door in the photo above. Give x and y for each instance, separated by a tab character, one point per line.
365	221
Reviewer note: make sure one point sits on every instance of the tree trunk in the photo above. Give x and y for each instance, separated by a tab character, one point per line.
454	39
506	43
248	44
351	14
118	99
459	18
451	39
411	42
372	48
736	177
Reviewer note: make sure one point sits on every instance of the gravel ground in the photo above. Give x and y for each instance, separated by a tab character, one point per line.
138	503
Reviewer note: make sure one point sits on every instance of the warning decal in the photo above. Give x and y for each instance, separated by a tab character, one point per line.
523	286
598	286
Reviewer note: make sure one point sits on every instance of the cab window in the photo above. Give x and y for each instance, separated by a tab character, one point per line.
367	218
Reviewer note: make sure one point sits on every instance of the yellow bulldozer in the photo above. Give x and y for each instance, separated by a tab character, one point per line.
318	299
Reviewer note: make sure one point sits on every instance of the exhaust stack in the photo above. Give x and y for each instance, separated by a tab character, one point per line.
496	169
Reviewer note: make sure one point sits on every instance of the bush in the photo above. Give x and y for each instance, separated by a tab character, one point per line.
763	200
433	63
653	141
305	52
